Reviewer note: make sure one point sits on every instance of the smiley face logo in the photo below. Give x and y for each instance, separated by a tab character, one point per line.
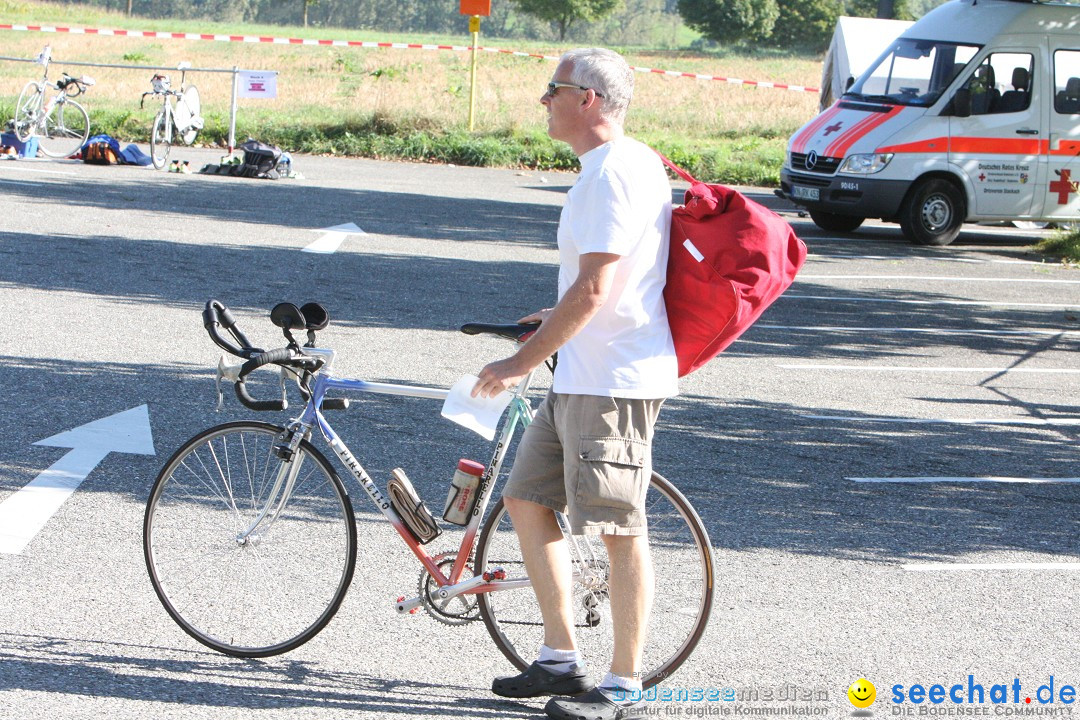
862	693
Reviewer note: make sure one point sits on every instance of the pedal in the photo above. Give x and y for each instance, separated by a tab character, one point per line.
496	574
409	606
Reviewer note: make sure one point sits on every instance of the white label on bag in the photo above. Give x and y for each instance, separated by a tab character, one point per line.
693	250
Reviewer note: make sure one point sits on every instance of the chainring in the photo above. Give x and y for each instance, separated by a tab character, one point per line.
459	610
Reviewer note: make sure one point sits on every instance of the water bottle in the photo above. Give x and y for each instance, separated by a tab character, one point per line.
462	497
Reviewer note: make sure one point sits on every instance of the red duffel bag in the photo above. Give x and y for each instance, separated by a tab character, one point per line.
730	258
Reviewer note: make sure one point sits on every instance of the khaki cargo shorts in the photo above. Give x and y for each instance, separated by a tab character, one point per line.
590	457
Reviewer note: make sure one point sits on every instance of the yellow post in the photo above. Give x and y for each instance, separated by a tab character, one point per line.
474	28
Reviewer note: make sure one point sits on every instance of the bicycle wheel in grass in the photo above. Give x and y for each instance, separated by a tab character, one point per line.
160	140
66	129
26	111
682	562
269	591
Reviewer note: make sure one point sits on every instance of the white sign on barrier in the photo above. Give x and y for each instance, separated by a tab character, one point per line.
255	84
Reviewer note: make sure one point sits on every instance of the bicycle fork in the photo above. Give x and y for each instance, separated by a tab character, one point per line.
284	481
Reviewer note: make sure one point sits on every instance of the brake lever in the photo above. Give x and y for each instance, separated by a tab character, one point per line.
225	372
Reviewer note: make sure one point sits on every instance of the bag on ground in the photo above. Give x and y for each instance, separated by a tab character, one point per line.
260	160
730	258
101	150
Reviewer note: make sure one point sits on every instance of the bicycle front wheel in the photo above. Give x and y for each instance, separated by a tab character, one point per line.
244	592
683	564
27	110
66	129
160	140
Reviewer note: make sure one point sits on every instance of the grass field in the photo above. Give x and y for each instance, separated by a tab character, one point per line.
414	104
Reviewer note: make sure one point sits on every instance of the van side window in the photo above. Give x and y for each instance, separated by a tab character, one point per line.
1002	84
1067	82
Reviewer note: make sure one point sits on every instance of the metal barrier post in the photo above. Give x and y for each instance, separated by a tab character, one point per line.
232	112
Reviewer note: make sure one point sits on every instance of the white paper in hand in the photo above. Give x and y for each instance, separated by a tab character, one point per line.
481	415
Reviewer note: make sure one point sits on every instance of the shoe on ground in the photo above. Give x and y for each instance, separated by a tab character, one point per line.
593	705
537	681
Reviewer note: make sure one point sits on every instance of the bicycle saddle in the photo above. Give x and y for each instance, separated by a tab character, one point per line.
519	332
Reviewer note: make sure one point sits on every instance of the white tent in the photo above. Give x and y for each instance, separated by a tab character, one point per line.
856	43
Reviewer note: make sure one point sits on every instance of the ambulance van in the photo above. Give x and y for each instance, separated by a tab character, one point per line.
972	114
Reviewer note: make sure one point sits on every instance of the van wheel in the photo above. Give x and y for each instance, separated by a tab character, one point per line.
933	212
835	223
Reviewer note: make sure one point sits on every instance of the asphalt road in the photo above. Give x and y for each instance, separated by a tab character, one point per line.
937	372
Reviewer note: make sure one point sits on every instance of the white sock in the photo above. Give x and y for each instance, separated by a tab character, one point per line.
558	662
621	690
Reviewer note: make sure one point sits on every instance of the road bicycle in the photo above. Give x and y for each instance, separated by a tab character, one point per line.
250	538
60	124
177	119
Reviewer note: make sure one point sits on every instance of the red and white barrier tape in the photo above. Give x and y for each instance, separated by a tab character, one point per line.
371	44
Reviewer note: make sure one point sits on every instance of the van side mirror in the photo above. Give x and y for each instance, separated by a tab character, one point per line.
961	103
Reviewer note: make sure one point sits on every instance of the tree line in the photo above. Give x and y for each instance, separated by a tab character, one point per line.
801	24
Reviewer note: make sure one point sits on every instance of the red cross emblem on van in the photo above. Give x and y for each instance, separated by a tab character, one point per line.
1064	187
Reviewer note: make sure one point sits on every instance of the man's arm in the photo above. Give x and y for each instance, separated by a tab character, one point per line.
596	272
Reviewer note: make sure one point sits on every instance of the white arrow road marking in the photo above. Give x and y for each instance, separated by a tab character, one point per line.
333	238
25	513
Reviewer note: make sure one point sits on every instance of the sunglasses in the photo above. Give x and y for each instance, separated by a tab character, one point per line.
553	86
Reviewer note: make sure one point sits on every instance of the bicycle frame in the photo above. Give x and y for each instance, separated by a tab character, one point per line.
519	412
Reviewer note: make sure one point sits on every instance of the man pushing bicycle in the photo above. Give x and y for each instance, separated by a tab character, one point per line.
588	450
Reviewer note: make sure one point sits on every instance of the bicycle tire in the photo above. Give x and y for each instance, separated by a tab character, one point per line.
682	562
263	596
188	107
66	129
160	142
26	111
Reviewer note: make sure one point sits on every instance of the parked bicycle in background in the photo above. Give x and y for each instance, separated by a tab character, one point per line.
60	124
179	119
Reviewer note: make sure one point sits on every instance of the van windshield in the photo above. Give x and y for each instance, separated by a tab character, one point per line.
912	72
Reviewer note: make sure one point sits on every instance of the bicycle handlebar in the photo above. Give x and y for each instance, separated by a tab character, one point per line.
216	316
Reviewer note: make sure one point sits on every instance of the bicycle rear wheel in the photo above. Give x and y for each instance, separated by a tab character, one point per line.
66	129
160	140
683	564
275	589
26	111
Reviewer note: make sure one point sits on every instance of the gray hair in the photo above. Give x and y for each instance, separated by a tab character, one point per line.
606	72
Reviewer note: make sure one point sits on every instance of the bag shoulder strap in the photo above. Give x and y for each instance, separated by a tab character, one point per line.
675	168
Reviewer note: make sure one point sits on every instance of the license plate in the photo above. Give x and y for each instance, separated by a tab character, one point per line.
805	193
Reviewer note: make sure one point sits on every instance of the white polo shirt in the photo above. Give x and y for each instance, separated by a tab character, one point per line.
621	204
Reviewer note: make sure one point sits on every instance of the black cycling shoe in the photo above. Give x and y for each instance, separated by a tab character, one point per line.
537	681
593	705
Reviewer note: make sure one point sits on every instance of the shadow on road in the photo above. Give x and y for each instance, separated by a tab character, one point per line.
33	663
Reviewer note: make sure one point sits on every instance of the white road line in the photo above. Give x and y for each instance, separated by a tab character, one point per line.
927	278
929	567
327	244
1057	422
915	368
941	258
835	298
927	331
982	479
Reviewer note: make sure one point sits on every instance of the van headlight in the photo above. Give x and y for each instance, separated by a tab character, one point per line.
865	164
